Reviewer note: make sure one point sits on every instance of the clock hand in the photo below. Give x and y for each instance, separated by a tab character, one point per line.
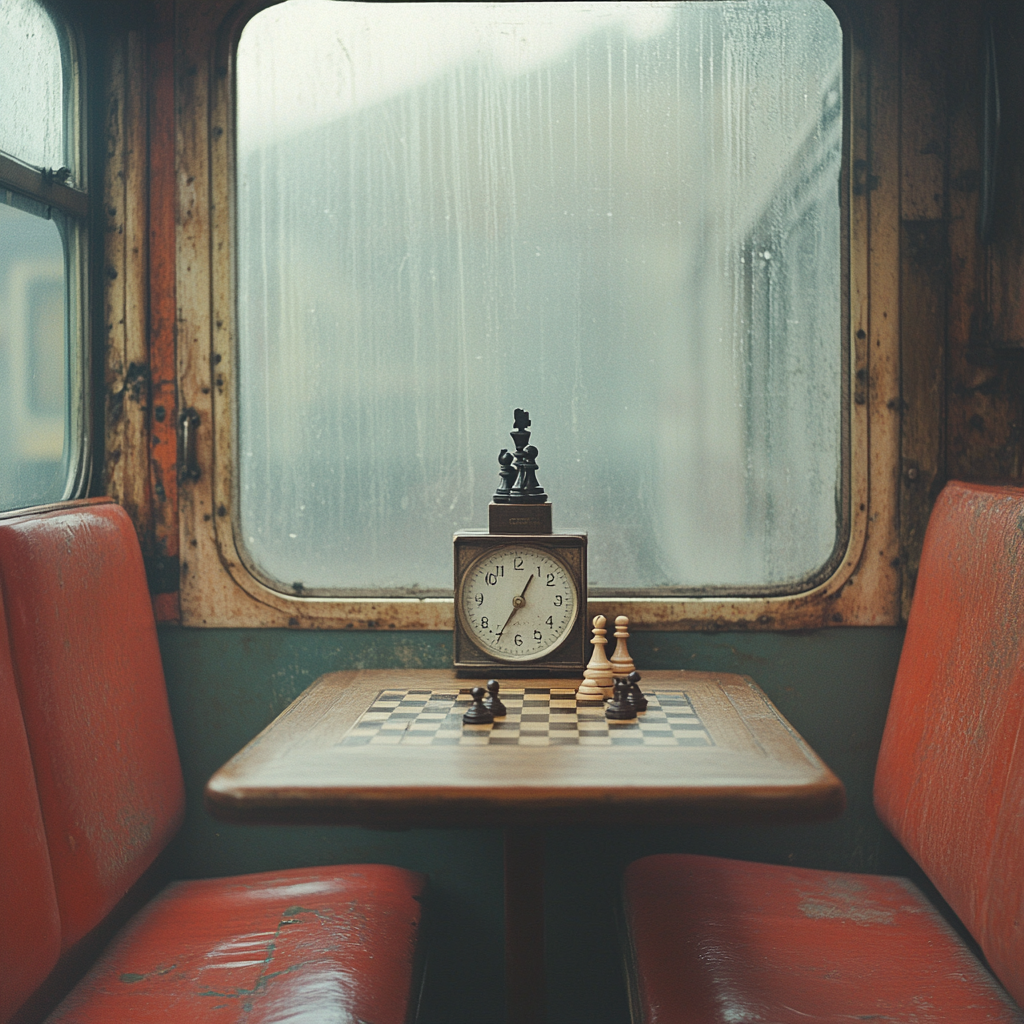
517	603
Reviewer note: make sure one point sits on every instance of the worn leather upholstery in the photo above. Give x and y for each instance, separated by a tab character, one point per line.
29	924
727	941
94	795
321	945
92	693
950	777
720	941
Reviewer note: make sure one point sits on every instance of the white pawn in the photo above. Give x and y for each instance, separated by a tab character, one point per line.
598	675
621	662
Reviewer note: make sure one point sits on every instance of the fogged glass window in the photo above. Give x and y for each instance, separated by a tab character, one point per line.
623	217
40	350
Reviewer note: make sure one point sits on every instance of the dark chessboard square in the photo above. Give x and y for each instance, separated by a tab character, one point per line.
564	711
446	741
563	726
504	741
563	741
534	716
618	740
357	741
533	690
694	741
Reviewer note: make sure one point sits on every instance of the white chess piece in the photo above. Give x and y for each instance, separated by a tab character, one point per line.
621	662
597	676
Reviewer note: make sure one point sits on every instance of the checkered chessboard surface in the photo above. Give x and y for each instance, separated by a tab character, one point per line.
536	718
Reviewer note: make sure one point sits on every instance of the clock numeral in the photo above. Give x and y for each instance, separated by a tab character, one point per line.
491	578
550	621
558	600
551	579
517	564
537	635
518	640
479	600
500	570
483	622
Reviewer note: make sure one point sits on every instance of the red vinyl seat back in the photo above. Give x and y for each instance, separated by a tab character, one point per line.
29	923
950	776
92	692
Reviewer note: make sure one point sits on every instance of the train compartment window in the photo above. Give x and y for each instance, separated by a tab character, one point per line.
640	221
43	205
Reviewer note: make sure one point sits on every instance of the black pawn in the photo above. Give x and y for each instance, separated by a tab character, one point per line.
508	474
477	713
492	702
618	708
634	694
527	483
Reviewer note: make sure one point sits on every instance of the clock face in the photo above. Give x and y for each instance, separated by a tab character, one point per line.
517	602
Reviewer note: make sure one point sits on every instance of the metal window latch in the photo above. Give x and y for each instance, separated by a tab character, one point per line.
59	176
188	460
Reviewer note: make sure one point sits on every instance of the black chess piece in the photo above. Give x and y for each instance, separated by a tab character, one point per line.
492	701
477	713
634	694
618	708
531	491
508	474
517	493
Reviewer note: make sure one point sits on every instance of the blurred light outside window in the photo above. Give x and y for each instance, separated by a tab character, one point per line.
623	217
41	413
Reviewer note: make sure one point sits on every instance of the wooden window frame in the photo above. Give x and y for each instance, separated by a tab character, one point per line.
215	587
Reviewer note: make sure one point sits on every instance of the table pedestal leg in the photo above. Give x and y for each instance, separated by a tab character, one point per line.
524	926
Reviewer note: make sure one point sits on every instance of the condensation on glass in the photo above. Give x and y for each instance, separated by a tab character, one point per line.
623	217
31	85
40	420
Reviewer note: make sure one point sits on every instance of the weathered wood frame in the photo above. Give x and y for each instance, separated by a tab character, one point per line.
215	587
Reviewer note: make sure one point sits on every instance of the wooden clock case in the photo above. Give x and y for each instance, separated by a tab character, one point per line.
523	524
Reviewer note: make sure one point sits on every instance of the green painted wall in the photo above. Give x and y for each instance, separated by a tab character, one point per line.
226	685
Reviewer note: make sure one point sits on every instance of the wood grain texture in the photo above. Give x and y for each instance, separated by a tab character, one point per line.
296	771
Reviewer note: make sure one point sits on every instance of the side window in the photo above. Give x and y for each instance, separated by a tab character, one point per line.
624	217
43	207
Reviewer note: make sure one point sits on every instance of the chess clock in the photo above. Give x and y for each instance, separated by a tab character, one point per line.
520	588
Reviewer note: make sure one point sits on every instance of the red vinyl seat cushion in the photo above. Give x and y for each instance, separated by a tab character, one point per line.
29	923
91	685
950	778
327	945
718	941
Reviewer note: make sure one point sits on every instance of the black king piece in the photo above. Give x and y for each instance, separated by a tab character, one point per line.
520	504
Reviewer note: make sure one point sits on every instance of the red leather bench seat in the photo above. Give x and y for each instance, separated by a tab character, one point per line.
720	941
731	941
29	923
92	793
311	944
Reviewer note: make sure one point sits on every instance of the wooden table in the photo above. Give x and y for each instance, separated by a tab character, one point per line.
751	766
